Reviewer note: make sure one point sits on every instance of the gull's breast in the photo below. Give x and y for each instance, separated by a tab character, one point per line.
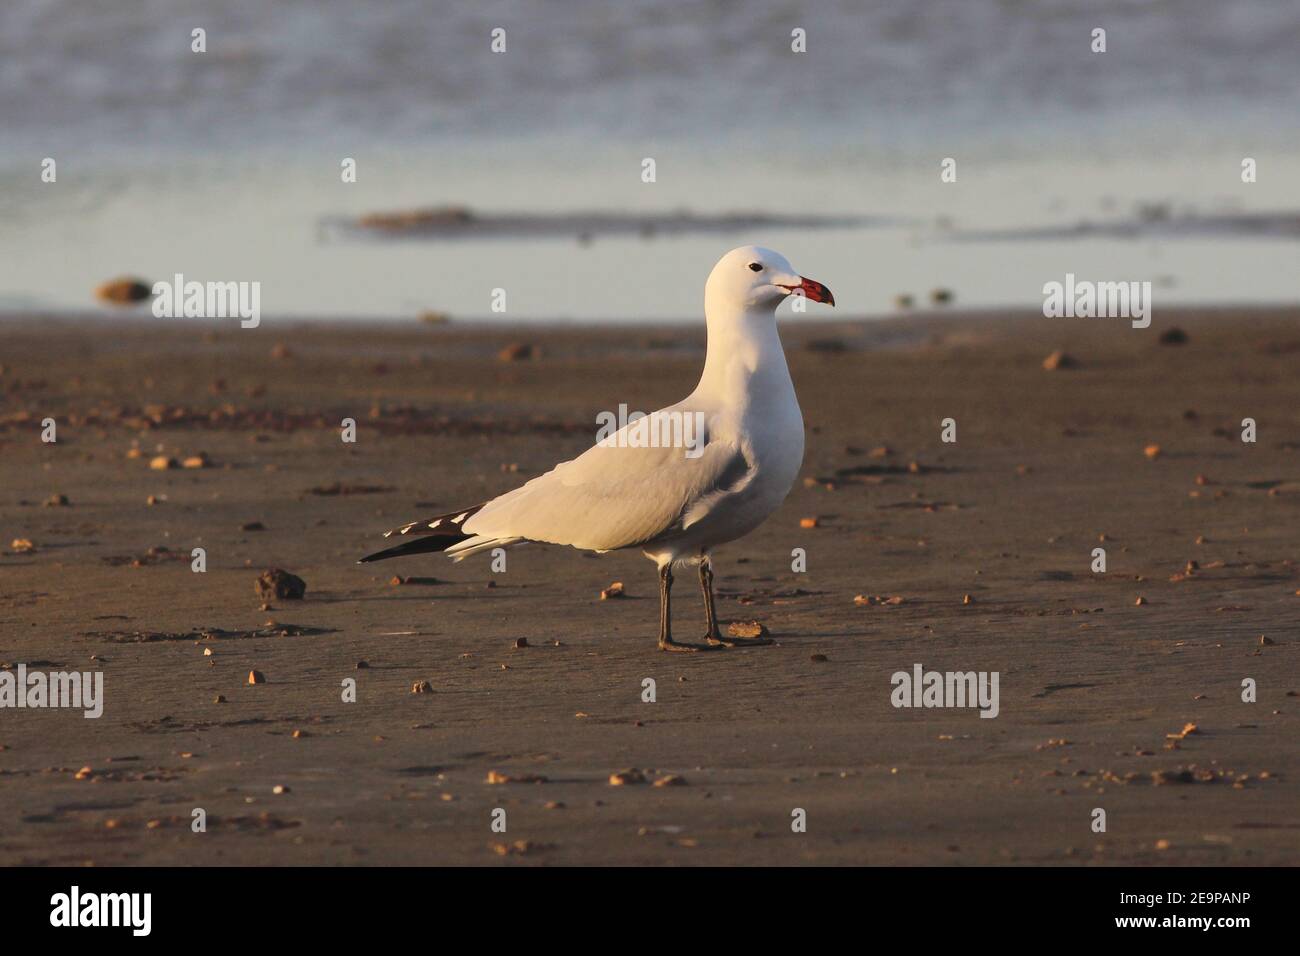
773	444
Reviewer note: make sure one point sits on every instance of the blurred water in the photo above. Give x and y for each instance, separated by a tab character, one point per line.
223	165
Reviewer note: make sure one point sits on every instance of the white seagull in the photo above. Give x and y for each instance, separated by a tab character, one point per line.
674	503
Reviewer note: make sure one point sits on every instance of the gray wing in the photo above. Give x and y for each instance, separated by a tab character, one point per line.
613	497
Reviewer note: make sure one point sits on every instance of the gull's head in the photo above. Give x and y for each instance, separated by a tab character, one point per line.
752	277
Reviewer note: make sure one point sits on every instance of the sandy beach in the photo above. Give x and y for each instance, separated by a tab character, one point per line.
987	540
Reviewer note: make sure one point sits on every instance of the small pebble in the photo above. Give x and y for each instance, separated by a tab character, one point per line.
497	777
749	629
1059	360
626	778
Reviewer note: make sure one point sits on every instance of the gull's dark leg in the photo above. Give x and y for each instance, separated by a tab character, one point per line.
666	642
714	638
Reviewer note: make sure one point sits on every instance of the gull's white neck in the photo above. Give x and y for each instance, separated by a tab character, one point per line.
745	366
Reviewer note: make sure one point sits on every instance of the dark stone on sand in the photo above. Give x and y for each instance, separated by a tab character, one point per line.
1173	336
124	291
517	352
1060	360
275	583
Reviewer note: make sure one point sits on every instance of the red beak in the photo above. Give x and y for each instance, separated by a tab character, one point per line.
812	289
816	291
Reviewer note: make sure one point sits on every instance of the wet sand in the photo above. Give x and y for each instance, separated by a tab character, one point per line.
1092	683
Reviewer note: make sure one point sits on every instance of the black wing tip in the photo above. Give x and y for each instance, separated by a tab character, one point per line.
435	538
428	544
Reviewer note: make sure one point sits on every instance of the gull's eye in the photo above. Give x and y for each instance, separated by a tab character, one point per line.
755	267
